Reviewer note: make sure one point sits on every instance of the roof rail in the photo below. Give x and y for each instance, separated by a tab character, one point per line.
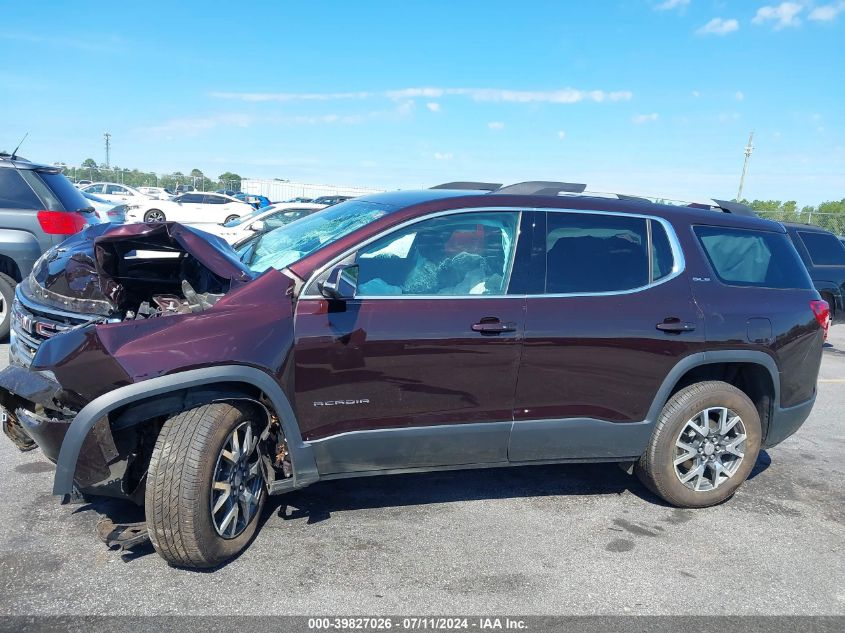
541	188
475	186
737	208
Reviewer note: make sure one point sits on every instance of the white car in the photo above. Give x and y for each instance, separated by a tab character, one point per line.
158	193
260	220
116	193
190	208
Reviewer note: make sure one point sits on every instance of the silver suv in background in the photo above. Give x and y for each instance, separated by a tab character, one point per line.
39	208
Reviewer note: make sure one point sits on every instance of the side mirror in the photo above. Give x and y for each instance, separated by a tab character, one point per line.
257	226
341	284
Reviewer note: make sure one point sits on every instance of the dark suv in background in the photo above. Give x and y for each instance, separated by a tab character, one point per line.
39	208
466	326
824	256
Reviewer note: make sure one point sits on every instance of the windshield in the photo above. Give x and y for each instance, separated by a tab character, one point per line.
283	246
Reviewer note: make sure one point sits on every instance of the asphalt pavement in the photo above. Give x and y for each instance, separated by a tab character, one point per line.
575	539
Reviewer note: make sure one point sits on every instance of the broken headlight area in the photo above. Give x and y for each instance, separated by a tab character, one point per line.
134	271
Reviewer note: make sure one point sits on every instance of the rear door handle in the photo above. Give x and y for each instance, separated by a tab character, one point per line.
491	326
674	325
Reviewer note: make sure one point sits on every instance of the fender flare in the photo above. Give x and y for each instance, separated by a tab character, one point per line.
302	457
708	358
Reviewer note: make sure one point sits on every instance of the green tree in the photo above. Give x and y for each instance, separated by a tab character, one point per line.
229	180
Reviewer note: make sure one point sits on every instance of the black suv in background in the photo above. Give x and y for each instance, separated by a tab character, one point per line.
39	208
824	256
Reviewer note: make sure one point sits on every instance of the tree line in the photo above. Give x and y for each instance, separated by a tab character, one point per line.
90	170
789	209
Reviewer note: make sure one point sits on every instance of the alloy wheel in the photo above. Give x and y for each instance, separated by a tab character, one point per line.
237	484
155	216
709	449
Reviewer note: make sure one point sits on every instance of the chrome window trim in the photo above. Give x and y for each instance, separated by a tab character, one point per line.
678	260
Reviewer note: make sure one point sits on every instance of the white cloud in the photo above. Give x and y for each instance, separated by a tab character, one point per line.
739	96
783	15
827	12
194	125
561	134
433	106
719	26
645	118
406	108
696	94
443	156
496	125
564	95
725	117
668	5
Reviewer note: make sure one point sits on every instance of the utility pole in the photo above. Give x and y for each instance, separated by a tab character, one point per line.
749	149
107	136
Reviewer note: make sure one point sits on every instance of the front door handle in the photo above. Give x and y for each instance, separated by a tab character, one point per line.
675	326
491	326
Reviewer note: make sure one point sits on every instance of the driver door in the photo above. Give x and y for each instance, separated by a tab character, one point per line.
419	369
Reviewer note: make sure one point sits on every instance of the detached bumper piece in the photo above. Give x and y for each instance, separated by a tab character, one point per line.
122	536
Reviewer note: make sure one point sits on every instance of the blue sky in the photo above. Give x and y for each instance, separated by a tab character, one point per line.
640	96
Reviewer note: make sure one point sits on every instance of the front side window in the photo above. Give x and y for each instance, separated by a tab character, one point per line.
464	254
744	257
824	248
591	253
95	189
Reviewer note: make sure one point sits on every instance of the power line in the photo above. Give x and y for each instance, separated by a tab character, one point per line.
749	149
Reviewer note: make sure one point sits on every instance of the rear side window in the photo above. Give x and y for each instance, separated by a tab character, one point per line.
590	253
57	191
743	257
15	193
824	248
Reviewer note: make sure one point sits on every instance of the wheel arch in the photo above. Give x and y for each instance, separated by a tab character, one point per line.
168	394
755	373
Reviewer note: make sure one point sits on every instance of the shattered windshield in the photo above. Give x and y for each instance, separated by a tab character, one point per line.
283	246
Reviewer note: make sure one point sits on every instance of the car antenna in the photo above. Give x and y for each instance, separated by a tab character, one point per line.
15	153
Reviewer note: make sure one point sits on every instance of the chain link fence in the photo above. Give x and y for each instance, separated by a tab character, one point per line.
833	222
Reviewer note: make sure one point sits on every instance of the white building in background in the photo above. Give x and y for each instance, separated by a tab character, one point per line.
281	190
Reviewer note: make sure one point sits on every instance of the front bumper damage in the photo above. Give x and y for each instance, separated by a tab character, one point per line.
32	410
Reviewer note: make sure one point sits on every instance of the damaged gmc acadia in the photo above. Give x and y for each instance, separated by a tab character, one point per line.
470	325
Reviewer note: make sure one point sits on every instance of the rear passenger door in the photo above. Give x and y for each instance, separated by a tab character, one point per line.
609	313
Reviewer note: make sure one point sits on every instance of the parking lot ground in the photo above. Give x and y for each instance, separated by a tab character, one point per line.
575	539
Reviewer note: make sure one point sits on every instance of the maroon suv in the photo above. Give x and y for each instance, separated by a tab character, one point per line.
459	327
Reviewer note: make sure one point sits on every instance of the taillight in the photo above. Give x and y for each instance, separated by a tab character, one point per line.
61	222
822	311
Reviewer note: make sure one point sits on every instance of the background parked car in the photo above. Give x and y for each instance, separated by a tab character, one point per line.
116	192
82	183
39	208
260	220
157	193
257	201
228	192
824	256
106	210
190	208
330	200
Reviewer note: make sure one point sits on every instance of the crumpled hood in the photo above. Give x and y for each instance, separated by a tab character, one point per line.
72	276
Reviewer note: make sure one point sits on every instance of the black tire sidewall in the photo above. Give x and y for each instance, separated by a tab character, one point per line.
214	547
664	479
147	214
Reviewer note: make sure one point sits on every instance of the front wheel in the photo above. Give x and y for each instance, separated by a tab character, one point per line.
703	447
205	484
154	215
230	218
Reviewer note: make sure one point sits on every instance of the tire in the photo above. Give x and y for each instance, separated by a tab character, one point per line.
179	493
154	215
7	296
657	468
230	218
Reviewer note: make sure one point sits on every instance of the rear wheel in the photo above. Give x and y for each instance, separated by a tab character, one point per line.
703	446
205	484
154	215
7	296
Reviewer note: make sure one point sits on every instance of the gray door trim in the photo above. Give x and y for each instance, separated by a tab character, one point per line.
302	458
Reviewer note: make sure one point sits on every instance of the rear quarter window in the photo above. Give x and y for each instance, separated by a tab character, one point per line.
824	248
15	193
747	257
